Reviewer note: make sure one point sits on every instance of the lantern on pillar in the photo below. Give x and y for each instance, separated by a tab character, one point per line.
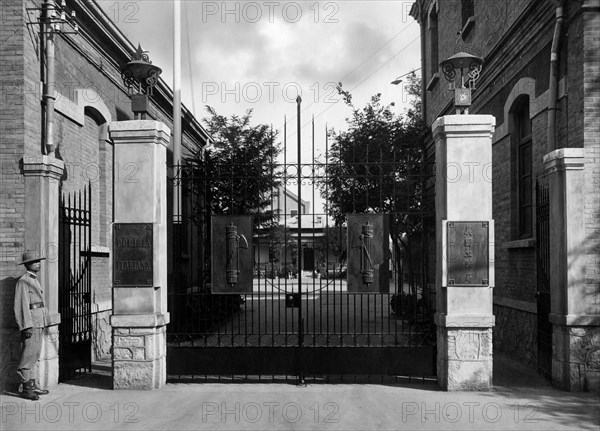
462	70
140	77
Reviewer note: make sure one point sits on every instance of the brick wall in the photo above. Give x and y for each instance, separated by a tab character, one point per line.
32	88
12	196
530	38
491	20
591	133
570	120
514	38
516	333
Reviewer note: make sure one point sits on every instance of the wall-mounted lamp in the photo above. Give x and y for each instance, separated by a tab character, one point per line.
470	68
140	77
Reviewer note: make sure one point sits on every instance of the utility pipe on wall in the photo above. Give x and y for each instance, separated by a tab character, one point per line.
48	94
176	82
553	85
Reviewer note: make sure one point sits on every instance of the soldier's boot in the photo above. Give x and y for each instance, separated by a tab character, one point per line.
37	389
28	392
22	380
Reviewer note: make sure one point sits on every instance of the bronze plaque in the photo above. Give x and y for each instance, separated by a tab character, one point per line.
368	253
467	253
232	254
133	254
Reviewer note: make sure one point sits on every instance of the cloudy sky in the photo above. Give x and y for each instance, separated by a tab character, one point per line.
260	55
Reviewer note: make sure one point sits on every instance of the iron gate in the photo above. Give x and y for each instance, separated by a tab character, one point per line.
75	281
270	293
544	327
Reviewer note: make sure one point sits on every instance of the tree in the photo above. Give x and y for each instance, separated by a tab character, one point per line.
236	174
377	166
331	245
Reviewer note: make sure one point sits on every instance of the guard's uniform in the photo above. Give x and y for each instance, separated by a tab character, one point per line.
30	312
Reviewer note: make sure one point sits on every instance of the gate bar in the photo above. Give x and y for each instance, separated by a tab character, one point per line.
300	320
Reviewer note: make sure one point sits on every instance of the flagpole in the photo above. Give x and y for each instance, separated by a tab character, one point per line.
177	106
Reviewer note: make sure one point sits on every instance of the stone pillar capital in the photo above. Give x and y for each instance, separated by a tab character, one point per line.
139	320
464	125
140	132
564	159
465	320
590	5
575	319
104	135
43	166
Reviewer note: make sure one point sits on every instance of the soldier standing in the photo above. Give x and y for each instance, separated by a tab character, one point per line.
30	314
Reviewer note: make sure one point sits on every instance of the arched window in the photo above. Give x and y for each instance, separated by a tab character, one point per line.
522	166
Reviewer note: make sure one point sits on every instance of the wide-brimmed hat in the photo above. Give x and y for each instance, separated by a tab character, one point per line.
30	256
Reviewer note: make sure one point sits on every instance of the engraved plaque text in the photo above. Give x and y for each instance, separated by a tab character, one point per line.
468	253
132	258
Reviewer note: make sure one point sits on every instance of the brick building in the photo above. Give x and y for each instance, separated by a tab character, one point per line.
90	94
540	105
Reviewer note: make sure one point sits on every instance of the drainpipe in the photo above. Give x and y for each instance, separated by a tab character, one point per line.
48	94
423	77
415	12
553	86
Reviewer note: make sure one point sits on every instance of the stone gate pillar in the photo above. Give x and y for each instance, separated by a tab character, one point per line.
139	262
42	177
464	251
575	311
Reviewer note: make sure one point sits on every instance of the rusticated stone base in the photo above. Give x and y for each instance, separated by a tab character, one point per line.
139	358
576	358
464	358
101	335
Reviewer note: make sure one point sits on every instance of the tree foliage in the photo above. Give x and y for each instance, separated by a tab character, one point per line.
235	173
377	165
331	247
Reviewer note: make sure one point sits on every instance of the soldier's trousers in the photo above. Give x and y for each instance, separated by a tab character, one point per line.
30	355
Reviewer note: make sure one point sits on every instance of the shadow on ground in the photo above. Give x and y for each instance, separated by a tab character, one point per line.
99	378
523	396
536	397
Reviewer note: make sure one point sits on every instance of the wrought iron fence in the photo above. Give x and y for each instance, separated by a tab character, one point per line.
75	281
299	296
